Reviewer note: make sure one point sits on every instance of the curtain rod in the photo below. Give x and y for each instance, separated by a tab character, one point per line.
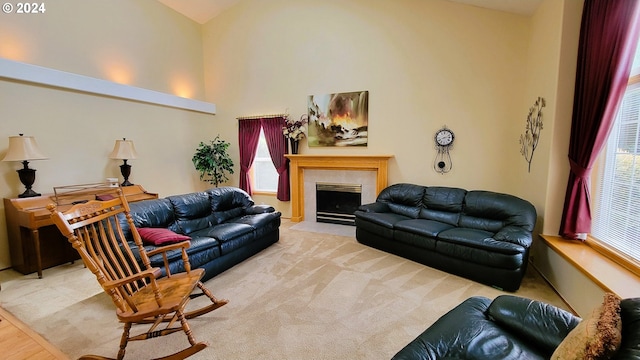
255	117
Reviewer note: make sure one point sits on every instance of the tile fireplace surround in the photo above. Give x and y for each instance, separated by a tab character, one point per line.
298	164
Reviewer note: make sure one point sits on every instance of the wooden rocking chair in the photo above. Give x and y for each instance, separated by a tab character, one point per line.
139	295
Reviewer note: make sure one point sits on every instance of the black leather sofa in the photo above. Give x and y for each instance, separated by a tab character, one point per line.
481	235
511	327
224	224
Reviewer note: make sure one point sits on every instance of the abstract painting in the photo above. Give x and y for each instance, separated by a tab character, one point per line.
339	119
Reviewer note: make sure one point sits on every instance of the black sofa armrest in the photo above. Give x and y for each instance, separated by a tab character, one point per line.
540	323
259	209
376	207
451	333
515	235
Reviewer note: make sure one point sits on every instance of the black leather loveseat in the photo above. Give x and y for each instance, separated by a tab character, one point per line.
481	235
224	225
514	328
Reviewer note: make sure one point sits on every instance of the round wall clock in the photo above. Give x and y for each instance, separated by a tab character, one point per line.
444	139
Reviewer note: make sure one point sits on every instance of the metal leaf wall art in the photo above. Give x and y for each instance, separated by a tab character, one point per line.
529	140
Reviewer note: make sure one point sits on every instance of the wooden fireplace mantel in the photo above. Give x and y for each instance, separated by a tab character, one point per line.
299	162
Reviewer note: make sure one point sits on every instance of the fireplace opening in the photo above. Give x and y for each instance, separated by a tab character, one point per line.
336	203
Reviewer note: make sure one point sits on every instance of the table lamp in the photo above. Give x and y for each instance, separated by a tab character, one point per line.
24	148
124	150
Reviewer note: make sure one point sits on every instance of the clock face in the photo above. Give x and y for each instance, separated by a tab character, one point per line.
444	137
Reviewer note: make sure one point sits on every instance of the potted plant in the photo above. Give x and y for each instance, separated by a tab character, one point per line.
212	161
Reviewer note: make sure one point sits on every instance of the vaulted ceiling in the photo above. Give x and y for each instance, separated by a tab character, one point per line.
202	11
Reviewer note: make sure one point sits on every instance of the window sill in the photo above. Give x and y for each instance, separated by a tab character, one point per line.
262	192
604	272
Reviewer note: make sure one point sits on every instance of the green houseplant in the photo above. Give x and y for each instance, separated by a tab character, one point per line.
212	161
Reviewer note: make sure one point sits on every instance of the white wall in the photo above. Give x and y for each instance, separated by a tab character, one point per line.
139	43
425	64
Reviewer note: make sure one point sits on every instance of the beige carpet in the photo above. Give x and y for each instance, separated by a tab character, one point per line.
309	296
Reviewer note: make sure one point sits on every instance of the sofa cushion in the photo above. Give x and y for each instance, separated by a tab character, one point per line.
387	220
259	209
403	199
429	228
497	210
155	213
227	198
257	220
201	251
543	323
446	217
479	239
225	232
192	211
160	236
596	337
152	213
444	198
261	223
222	216
419	241
477	246
364	224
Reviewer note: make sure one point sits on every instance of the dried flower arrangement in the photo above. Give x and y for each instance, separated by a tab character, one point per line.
295	129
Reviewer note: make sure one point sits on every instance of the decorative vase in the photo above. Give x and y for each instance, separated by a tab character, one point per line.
294	145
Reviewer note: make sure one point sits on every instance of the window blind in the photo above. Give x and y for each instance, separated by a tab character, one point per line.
616	220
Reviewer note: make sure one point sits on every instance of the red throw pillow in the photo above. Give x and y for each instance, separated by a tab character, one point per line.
160	236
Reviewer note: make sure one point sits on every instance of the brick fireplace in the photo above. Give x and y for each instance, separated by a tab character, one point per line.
300	163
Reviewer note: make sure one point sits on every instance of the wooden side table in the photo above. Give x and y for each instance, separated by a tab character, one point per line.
34	241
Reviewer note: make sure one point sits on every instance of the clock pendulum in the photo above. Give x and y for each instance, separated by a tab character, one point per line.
444	139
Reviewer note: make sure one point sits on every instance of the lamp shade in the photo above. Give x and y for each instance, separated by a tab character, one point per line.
123	150
23	148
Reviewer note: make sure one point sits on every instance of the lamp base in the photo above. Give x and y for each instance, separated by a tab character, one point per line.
27	178
125	170
28	193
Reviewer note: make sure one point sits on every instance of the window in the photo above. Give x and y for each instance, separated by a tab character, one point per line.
616	220
264	174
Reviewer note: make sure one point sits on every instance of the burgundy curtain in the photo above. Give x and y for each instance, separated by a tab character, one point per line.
608	38
248	136
277	144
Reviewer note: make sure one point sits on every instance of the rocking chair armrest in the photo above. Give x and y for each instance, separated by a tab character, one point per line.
165	248
149	273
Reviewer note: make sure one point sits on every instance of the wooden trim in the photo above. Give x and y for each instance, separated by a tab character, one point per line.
265	193
603	271
377	163
614	255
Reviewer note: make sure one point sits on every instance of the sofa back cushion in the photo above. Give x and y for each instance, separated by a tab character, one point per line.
443	204
403	199
155	213
228	202
192	211
491	211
